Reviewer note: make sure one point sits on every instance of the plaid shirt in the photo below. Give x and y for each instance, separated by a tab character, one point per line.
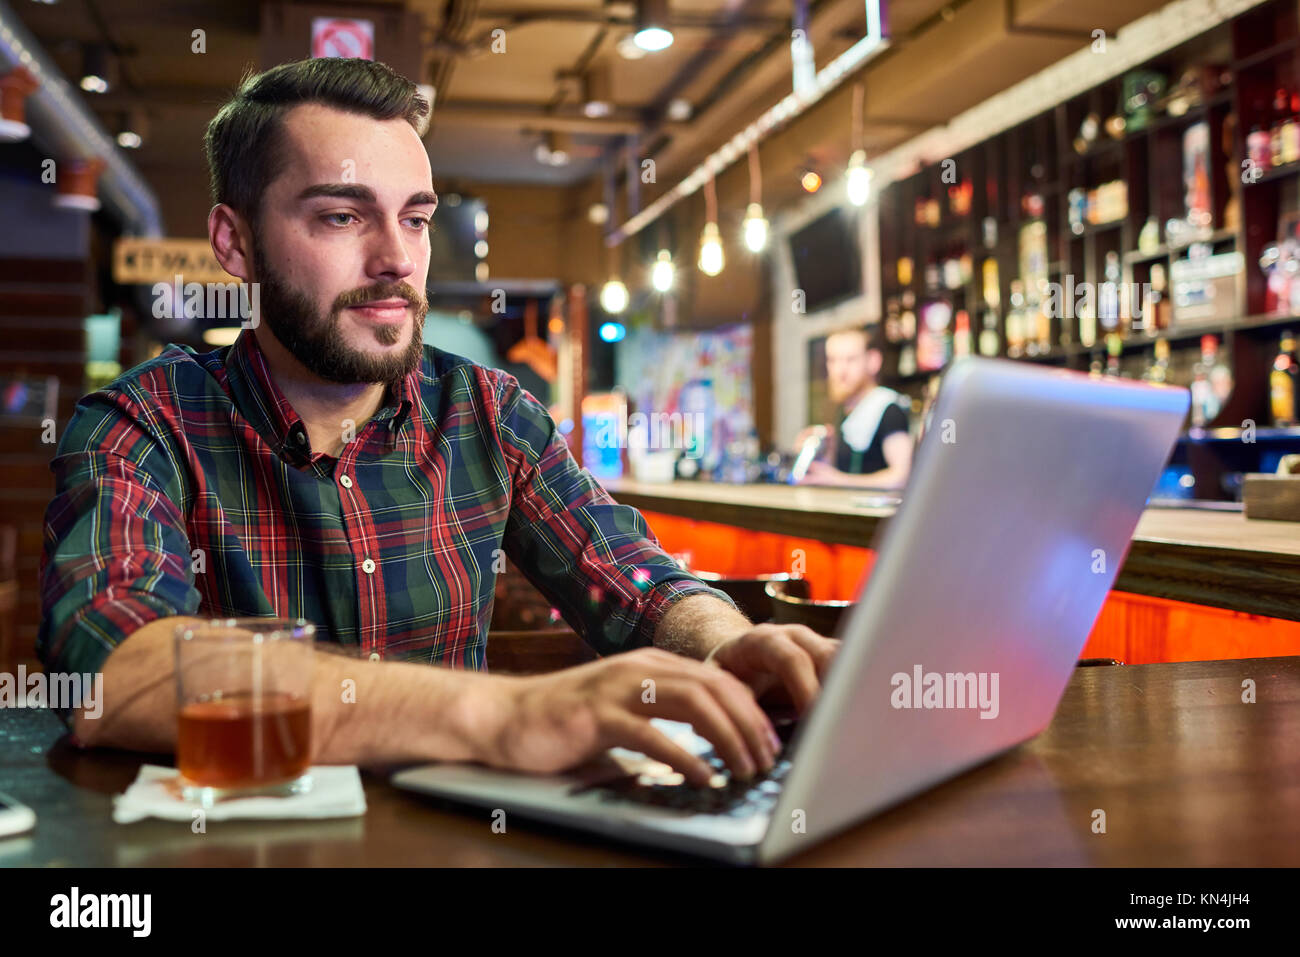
187	487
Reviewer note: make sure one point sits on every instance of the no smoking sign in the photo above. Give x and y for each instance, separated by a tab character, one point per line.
350	39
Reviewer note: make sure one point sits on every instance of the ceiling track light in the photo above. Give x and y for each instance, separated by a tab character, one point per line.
95	68
652	31
597	96
552	150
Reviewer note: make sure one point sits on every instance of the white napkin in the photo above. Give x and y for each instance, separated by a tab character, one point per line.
336	792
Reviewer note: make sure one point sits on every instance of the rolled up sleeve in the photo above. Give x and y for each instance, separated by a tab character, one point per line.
596	560
116	553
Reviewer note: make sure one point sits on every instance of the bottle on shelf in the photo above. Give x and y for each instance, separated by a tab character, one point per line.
1291	131
1257	146
1114	347
1284	393
1211	383
1157	369
1281	101
1109	308
961	337
988	341
992	291
1016	331
1220	374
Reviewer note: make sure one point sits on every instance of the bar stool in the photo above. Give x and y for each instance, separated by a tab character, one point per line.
750	594
792	606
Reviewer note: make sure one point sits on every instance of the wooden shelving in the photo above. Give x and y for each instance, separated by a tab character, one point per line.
1026	176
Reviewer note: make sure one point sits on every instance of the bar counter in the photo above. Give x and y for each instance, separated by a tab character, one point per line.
1205	557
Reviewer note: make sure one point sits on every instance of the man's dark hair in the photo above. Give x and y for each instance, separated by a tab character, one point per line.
244	140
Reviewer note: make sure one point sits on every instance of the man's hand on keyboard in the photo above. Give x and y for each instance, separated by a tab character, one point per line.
554	722
781	664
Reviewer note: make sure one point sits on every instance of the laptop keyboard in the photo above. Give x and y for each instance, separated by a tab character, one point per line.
725	794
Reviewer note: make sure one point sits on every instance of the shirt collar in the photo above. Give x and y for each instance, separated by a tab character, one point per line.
266	408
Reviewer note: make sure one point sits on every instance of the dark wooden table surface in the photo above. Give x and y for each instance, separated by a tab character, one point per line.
1205	557
1186	773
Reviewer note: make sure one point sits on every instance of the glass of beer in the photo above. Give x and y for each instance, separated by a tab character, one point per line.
243	693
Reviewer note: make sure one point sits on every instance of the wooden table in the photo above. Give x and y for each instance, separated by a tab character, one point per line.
1186	774
1205	557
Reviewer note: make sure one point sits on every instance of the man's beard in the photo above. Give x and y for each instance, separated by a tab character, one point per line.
838	393
316	340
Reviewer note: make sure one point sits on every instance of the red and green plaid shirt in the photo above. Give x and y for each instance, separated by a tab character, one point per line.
187	487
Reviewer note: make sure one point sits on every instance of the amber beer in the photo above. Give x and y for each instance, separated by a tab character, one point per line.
236	743
244	707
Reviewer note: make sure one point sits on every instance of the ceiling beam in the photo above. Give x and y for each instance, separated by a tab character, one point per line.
535	116
680	20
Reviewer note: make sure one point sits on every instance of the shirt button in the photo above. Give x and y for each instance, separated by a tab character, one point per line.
301	438
345	482
374	656
368	567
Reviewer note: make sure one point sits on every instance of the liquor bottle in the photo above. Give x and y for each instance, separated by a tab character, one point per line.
1280	103
961	337
1043	323
989	343
907	361
1284	395
1220	374
1291	131
1016	331
1114	346
1158	371
1108	304
1206	375
1257	145
992	292
1200	388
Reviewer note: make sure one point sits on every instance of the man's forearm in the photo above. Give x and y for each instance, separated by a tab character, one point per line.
392	712
885	478
695	625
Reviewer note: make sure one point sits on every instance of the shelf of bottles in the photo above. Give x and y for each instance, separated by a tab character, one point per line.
1149	228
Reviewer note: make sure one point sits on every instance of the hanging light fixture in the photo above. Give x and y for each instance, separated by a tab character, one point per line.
613	295
652	33
857	180
712	258
662	273
755	226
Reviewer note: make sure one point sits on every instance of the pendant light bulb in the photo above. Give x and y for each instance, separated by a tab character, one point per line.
613	296
711	257
662	272
755	228
858	178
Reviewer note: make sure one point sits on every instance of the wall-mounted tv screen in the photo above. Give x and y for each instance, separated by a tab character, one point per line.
827	261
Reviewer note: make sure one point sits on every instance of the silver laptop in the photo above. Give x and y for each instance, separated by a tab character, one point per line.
1021	506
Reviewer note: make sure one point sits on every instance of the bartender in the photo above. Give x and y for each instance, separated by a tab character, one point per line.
870	446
